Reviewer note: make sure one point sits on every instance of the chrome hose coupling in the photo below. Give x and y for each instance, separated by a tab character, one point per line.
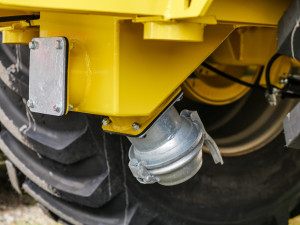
170	152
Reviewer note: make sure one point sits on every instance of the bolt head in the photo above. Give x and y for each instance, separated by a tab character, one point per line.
30	103
272	99
283	81
58	44
57	108
33	45
136	126
106	121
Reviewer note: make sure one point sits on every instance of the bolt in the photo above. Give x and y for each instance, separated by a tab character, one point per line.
58	44
272	100
57	108
30	103
33	45
71	107
133	162
283	80
136	126
106	121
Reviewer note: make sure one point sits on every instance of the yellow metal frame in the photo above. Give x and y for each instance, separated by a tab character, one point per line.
129	56
20	32
164	8
123	125
118	73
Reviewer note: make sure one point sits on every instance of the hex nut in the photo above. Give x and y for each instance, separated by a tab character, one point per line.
106	121
136	126
283	81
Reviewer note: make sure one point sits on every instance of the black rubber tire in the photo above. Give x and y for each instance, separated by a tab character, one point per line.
80	176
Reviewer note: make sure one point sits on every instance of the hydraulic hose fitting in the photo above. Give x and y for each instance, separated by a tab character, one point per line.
170	152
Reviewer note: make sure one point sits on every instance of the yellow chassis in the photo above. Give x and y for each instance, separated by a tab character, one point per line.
128	58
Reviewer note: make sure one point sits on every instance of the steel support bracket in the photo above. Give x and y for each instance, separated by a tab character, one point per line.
137	126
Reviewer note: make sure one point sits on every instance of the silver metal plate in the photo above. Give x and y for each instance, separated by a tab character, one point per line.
48	75
291	125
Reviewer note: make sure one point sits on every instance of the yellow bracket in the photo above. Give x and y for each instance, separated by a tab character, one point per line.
125	125
157	28
19	36
176	31
20	32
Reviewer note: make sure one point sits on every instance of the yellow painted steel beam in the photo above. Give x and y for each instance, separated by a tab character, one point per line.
169	9
264	12
158	15
6	12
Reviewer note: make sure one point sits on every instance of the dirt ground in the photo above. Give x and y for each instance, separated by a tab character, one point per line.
16	209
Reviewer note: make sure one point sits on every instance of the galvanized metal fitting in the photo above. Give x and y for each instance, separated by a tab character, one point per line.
171	151
272	98
141	173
